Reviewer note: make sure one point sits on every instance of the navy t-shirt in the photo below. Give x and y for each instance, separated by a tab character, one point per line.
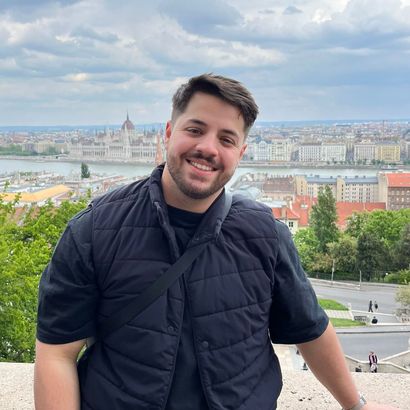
186	390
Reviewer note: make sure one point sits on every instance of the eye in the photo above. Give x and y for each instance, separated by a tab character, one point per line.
195	131
228	141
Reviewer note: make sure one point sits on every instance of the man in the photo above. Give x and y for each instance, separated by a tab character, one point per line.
373	362
206	343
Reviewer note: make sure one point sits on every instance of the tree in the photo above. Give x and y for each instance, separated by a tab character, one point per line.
344	253
401	253
85	171
403	296
307	246
387	225
392	228
26	245
356	223
372	255
323	218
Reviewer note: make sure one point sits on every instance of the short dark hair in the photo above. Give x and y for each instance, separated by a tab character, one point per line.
227	89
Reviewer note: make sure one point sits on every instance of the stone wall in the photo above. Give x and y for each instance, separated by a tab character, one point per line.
399	363
301	390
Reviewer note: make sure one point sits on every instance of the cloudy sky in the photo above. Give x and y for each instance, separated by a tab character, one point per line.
89	61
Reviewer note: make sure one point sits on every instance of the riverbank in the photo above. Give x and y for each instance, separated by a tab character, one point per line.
242	164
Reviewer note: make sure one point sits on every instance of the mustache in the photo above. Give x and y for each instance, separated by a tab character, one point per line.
199	155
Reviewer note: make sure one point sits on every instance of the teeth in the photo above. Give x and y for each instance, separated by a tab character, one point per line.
201	167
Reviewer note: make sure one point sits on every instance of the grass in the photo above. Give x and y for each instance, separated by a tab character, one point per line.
345	323
331	304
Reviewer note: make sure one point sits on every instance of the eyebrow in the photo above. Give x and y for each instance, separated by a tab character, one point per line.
204	124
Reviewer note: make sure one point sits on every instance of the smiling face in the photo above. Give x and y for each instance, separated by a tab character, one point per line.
204	145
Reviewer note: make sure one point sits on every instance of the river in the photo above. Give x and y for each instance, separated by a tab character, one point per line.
66	168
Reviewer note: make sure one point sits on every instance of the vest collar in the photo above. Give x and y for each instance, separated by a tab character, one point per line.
210	225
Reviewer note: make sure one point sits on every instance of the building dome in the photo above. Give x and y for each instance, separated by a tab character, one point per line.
127	125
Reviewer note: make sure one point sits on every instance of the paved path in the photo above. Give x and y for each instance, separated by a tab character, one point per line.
340	314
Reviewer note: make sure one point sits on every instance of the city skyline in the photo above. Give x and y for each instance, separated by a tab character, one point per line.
88	62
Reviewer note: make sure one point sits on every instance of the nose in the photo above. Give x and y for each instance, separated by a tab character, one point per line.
208	144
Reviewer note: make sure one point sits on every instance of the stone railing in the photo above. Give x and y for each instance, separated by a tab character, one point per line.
399	363
301	390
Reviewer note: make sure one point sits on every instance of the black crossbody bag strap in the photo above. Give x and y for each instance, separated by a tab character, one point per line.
153	292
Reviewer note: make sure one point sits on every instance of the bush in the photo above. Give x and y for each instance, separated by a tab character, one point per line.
401	277
403	296
350	276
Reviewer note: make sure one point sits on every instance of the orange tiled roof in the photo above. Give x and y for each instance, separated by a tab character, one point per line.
302	206
346	209
37	196
398	180
289	214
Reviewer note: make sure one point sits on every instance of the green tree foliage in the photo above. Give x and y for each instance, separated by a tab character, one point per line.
402	277
401	250
372	255
26	244
356	223
344	253
85	171
403	296
387	225
323	218
307	246
323	263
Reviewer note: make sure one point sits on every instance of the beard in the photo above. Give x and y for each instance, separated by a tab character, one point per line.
190	188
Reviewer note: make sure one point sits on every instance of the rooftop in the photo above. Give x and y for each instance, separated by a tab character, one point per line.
37	196
346	209
398	180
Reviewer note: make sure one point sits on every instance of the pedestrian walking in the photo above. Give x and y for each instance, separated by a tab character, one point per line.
376	305
373	362
370	306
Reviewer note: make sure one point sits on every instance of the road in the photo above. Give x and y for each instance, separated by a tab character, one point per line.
358	345
384	344
359	298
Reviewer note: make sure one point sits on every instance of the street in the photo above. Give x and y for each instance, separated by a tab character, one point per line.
384	344
359	298
377	338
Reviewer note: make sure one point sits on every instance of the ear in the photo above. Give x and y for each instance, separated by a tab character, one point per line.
243	150
168	132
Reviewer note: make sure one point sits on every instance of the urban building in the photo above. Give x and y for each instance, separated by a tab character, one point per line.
310	152
126	144
345	210
310	186
279	188
357	189
333	153
394	190
33	195
364	152
388	152
280	150
287	216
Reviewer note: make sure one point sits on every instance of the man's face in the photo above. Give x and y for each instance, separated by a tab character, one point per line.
204	146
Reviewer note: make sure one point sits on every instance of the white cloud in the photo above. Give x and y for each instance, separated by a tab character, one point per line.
98	56
78	77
